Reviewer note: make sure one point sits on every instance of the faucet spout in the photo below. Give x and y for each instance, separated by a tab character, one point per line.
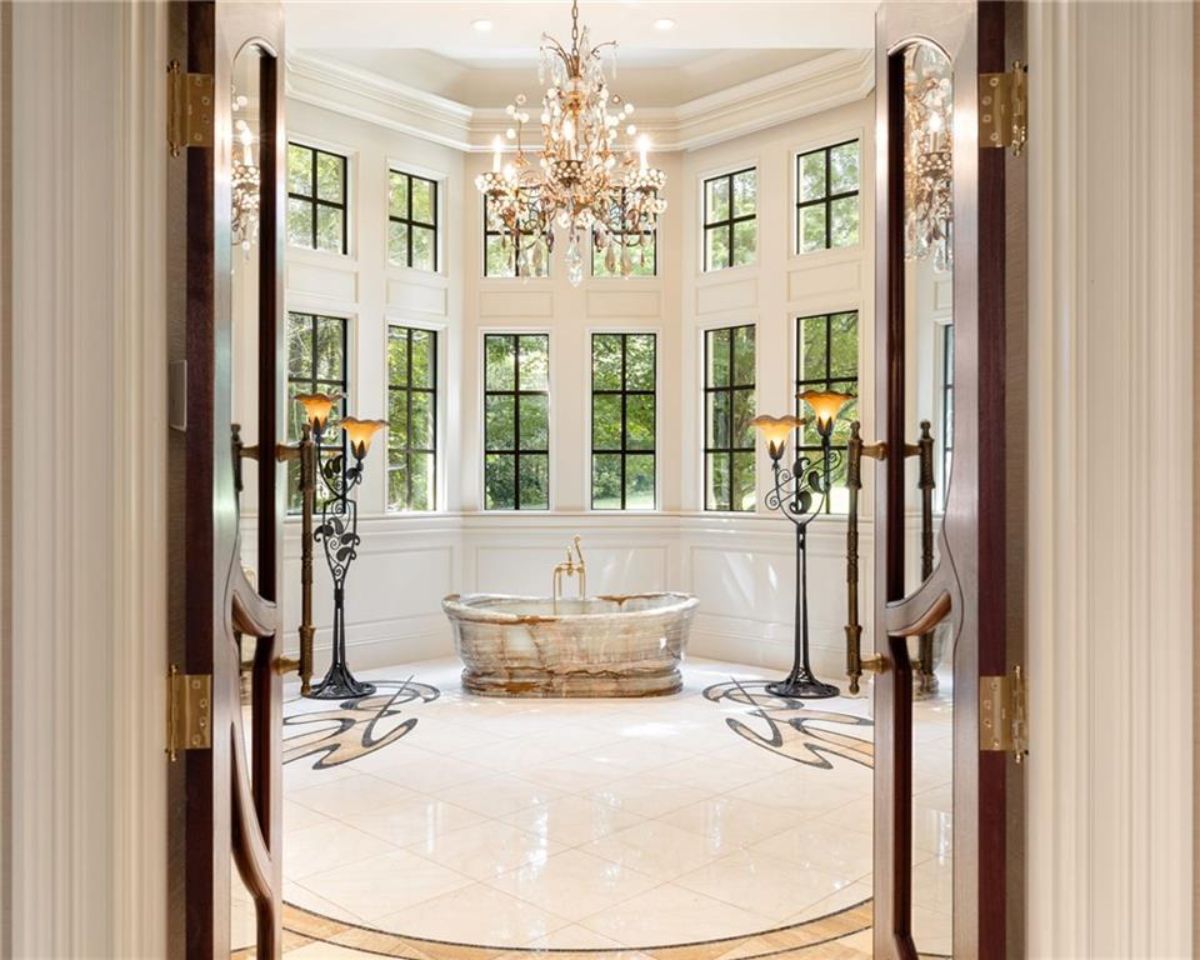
573	566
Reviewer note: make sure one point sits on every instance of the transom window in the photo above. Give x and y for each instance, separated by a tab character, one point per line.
412	418
516	415
640	247
827	187
729	471
316	216
827	359
525	255
731	219
412	221
623	421
316	358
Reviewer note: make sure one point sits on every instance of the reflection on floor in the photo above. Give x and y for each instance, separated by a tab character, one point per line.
718	823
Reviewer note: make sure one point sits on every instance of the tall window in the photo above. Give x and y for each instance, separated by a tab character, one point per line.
623	412
412	221
412	418
947	407
316	215
827	359
729	477
827	211
316	356
516	415
639	247
730	219
525	255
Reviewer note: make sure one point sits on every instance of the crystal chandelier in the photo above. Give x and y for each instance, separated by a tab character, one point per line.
245	183
929	151
584	183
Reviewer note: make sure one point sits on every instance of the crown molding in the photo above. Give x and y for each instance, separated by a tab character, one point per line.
835	79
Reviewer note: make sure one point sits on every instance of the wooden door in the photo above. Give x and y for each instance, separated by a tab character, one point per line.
225	778
975	591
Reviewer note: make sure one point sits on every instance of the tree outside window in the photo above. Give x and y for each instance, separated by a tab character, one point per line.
729	402
731	220
623	421
316	212
827	198
516	432
827	359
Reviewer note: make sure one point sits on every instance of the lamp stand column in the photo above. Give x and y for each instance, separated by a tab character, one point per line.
800	682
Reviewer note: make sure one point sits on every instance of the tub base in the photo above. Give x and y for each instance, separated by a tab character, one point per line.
582	683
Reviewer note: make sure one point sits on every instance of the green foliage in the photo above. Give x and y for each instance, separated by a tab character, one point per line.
299	165
397	194
329	228
716	207
299	222
745	193
424	207
330	175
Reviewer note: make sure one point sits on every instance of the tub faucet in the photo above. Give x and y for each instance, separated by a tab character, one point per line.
572	567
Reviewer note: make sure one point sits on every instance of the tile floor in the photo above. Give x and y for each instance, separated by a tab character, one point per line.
585	825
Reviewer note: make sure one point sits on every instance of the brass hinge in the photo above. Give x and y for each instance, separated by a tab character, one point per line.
189	712
189	109
1004	109
1002	715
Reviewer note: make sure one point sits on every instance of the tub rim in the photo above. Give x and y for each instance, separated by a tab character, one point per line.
465	607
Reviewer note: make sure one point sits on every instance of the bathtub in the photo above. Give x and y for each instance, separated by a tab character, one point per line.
628	646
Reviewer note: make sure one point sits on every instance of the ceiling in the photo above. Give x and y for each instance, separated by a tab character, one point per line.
713	45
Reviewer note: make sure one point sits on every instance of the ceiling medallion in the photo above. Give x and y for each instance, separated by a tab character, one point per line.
584	182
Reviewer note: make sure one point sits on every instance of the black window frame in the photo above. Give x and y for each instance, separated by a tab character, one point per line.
411	222
515	242
828	199
729	223
624	392
316	201
732	388
407	450
516	452
315	384
840	384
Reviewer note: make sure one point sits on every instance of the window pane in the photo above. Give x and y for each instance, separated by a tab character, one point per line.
397	357
499	257
843	168
716	248
745	242
606	421
812	229
717	496
329	229
745	193
643	257
499	418
422	469
639	422
329	348
421	426
639	481
424	245
606	481
606	362
718	419
844	222
717	200
398	486
744	494
329	177
422	201
299	170
299	348
422	358
843	329
501	362
718	358
397	424
743	413
299	223
812	348
534	414
398	194
639	361
535	482
743	356
398	243
812	176
535	362
500	481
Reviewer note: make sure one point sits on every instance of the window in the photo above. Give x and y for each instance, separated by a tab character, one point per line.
641	248
412	418
729	476
730	220
623	413
526	255
316	215
947	407
516	421
412	221
316	357
827	211
827	359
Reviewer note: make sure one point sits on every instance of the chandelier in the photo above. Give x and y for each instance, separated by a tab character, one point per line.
245	183
584	183
928	147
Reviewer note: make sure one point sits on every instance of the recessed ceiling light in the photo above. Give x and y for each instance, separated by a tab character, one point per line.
666	23
483	26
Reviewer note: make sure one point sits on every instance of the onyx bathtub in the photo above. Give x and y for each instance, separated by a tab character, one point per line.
629	646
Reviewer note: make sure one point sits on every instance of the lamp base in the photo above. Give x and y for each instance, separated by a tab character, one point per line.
803	686
339	684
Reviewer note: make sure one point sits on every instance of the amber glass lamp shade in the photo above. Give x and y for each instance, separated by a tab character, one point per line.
360	432
775	430
826	404
317	408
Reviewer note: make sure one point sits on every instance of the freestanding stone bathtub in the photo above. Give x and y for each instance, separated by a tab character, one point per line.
599	647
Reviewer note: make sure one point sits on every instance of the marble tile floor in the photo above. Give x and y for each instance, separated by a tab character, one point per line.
426	821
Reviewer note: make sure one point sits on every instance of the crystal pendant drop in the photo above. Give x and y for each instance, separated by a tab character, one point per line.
574	264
